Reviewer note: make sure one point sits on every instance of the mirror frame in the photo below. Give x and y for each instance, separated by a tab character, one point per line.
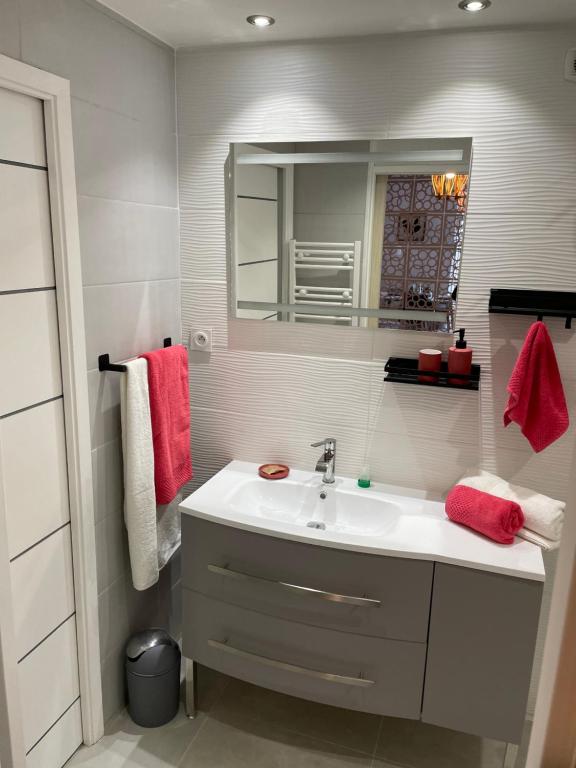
386	156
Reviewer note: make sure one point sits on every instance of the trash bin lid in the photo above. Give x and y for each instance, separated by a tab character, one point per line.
146	640
155	662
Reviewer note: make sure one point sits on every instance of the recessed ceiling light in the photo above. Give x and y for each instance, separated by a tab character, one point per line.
473	6
257	20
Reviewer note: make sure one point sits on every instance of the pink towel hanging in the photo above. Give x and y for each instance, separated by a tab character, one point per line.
170	416
537	402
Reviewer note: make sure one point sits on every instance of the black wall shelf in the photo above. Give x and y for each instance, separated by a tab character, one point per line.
404	370
541	304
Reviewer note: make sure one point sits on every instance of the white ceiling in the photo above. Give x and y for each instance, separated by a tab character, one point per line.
184	23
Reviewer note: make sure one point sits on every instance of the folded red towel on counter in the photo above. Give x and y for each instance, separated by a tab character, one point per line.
170	417
492	516
537	403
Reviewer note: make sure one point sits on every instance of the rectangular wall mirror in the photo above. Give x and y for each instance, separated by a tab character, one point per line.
348	233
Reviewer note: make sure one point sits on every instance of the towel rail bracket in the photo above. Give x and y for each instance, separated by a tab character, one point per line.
541	304
104	363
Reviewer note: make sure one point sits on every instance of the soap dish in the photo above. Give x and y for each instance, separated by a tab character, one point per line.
273	471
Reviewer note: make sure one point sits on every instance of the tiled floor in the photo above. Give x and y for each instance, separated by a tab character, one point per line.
242	726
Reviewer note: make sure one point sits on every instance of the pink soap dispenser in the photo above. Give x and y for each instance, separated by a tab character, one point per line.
460	360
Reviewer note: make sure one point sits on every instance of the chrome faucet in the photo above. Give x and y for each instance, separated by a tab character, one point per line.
327	462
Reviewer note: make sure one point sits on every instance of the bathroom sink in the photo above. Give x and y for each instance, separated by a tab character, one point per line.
380	520
314	505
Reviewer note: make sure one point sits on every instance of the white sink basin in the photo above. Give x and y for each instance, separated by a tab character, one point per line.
379	520
311	504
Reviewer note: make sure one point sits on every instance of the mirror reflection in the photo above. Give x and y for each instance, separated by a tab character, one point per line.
351	233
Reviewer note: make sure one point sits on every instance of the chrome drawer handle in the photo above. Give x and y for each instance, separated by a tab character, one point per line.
359	681
333	597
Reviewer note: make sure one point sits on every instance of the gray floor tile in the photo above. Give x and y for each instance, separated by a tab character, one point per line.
522	753
126	745
354	730
418	745
238	741
211	686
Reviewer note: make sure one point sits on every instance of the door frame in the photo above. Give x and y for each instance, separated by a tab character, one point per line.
54	91
553	737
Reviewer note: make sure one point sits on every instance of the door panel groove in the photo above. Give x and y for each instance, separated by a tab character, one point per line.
23	165
29	407
46	637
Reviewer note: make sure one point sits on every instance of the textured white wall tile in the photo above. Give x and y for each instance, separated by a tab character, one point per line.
301	339
218	437
419	461
511	171
205	305
127	242
317	89
407	343
521	251
435	414
282	386
505	79
198	156
202	244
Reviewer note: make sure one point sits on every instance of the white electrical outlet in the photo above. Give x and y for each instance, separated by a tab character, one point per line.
570	65
201	341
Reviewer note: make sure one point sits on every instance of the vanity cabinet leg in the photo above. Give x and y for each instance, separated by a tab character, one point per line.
191	672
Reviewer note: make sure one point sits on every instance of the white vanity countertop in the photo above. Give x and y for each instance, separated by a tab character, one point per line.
380	520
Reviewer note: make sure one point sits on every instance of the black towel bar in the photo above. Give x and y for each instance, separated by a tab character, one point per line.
513	301
104	363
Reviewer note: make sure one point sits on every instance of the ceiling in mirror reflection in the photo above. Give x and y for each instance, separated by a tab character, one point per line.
360	233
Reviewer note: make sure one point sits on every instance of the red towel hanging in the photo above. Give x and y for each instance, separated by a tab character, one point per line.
537	402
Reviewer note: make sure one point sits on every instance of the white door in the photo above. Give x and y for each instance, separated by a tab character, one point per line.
33	470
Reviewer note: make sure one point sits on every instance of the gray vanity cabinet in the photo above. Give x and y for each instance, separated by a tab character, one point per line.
361	672
483	630
402	637
278	577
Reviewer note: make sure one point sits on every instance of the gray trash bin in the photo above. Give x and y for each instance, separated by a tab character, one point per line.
152	677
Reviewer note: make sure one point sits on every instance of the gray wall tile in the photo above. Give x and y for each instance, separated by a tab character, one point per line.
127	242
10	28
120	158
124	319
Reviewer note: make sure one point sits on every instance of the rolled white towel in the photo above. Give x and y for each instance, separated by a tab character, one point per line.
535	538
543	515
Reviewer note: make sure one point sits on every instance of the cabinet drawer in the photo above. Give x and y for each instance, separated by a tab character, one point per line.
354	671
349	591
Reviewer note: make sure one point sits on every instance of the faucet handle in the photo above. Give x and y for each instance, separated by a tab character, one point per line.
328	442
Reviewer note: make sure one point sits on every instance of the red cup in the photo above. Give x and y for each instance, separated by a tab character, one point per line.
429	360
